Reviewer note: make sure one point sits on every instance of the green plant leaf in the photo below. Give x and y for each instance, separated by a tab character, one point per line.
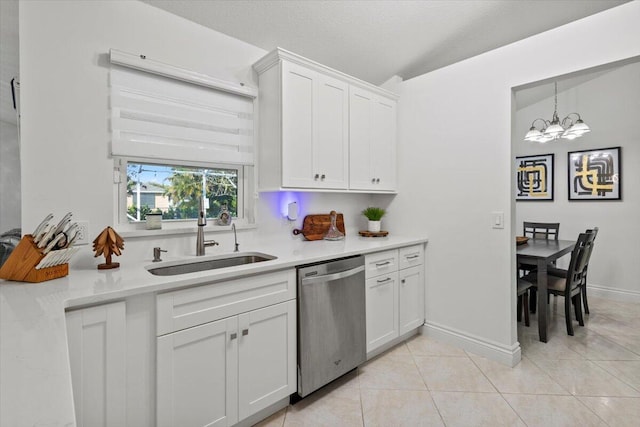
374	213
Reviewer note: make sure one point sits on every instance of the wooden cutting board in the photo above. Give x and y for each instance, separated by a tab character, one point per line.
314	227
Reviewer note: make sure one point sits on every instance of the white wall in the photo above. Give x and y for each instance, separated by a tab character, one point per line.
9	176
65	112
9	144
610	104
455	169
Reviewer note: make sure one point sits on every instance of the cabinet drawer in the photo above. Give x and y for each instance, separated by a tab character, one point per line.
194	306
381	263
411	256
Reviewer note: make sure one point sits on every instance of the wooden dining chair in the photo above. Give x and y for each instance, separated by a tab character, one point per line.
538	230
523	300
568	283
541	230
584	279
583	285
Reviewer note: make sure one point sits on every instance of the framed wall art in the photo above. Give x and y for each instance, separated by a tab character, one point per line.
595	174
534	178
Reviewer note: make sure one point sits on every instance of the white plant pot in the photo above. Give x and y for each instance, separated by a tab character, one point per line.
374	226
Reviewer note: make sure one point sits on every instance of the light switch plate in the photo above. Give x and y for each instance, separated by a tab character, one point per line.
497	219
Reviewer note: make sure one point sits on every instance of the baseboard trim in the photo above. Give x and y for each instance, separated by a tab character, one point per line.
615	294
507	355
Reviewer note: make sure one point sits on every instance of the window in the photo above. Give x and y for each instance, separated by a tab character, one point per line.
175	191
176	141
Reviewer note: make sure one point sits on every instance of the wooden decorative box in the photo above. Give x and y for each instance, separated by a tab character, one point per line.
21	264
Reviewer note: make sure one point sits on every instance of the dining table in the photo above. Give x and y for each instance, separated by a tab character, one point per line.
542	252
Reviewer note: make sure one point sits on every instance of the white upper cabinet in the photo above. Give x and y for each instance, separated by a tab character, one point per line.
306	128
372	141
314	129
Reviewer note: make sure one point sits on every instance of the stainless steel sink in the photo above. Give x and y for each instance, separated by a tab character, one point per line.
210	264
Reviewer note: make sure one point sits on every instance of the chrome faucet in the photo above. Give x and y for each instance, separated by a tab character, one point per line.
235	237
202	222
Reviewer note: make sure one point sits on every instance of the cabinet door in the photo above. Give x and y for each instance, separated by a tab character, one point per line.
382	310
267	356
331	143
299	91
372	141
97	352
383	144
360	134
197	383
411	298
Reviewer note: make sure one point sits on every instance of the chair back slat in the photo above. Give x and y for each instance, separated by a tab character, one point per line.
579	260
593	231
541	230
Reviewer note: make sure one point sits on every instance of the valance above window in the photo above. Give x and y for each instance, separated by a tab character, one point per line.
156	117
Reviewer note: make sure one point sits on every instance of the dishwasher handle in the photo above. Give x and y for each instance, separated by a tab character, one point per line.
331	277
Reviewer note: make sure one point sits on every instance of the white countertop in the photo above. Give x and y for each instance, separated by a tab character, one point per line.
35	378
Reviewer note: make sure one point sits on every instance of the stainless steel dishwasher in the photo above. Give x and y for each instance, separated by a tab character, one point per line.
331	321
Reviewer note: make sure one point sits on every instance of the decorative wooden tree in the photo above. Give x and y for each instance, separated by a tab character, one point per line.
107	243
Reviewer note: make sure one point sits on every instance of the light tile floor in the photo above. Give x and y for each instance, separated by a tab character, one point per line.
590	379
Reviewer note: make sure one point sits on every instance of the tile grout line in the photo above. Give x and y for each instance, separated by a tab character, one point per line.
623	380
590	410
433	401
364	423
498	391
550	377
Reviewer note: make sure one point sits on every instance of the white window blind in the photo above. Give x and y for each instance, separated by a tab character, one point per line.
161	118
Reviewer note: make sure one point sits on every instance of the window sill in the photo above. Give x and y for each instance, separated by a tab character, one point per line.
183	230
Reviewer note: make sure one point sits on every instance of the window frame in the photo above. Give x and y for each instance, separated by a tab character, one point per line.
246	203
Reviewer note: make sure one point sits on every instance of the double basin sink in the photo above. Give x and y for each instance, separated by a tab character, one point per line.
222	261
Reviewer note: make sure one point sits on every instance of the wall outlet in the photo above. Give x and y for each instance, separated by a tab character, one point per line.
83	233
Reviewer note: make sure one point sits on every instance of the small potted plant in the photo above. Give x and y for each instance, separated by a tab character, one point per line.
374	215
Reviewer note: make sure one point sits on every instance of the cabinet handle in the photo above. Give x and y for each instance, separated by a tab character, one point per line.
233	336
402	281
373	180
322	176
377	180
412	257
382	264
245	332
388	279
316	176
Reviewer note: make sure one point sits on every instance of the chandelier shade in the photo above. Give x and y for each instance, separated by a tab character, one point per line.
571	127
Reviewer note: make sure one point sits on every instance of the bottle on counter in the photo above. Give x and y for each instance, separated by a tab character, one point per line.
333	233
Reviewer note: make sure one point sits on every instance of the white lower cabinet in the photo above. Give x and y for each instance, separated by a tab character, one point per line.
410	299
395	294
197	376
221	372
382	310
97	356
267	357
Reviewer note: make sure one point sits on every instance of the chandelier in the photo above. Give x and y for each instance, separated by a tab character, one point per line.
571	127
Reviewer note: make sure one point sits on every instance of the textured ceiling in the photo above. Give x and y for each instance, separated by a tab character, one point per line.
374	40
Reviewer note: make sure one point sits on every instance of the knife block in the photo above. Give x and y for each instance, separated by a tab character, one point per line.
21	264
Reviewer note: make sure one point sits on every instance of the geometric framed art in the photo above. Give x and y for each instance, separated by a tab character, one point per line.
595	174
534	178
